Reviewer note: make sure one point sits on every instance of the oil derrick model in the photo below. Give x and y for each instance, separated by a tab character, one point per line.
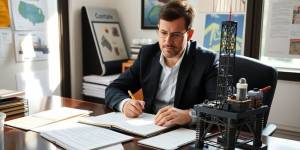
229	113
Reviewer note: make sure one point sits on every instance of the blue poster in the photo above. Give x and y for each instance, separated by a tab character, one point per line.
212	33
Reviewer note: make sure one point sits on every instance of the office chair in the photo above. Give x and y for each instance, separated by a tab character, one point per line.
258	75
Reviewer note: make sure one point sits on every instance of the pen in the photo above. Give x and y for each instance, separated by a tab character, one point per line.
131	95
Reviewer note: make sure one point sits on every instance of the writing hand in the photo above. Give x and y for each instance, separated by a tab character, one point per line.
133	108
169	116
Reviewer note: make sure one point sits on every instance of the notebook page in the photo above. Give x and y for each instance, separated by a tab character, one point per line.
171	140
46	117
28	122
61	113
78	136
143	125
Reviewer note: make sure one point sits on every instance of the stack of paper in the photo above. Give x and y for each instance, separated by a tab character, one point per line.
12	102
94	85
46	117
76	136
5	94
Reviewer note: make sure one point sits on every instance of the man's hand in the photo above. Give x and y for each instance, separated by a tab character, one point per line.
133	108
169	116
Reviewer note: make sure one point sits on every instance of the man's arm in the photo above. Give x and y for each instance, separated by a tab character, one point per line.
169	116
117	90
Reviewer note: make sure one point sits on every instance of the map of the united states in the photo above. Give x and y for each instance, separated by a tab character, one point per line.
31	12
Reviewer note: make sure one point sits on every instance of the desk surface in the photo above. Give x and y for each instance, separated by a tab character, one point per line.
16	139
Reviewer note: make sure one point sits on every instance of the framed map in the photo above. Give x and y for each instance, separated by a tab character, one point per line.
110	41
29	15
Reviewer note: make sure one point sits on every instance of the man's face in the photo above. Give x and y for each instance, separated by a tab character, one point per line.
173	37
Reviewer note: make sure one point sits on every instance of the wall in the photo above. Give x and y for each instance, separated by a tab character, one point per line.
45	74
285	106
130	16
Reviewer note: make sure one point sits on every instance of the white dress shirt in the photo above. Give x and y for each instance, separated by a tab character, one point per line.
167	83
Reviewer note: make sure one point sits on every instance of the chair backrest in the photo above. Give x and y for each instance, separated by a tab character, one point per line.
258	75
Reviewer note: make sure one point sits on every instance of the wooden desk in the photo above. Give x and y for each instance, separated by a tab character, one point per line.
16	139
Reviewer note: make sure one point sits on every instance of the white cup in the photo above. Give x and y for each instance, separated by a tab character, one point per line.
2	118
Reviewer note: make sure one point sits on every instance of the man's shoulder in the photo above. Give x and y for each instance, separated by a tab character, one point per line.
150	49
200	50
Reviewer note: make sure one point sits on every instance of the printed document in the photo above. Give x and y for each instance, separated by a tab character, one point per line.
77	136
170	140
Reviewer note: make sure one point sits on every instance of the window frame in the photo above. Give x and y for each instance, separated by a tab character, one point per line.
63	14
253	34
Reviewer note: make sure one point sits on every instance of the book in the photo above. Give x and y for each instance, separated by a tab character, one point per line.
170	140
8	103
142	126
77	136
134	56
4	94
19	111
13	106
46	117
13	109
102	80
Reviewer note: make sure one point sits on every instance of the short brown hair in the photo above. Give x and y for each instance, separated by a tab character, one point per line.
175	9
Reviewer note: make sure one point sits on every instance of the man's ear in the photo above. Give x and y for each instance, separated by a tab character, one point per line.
190	34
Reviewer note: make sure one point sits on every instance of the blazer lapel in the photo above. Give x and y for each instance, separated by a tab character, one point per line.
155	77
184	71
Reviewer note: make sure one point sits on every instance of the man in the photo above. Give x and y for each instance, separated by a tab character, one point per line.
174	74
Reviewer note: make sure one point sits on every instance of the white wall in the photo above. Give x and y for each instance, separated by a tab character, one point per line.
285	106
45	71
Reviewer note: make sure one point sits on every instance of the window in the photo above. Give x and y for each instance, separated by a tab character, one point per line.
280	42
272	35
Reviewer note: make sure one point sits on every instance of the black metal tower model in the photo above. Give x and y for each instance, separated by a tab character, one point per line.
226	62
228	113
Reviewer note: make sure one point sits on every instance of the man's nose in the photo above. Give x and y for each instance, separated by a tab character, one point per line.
168	38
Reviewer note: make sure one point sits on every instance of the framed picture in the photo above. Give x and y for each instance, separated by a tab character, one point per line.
150	13
110	41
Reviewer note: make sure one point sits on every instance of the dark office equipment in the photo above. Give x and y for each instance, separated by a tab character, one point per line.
103	45
226	112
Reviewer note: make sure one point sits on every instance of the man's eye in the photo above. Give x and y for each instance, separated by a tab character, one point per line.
176	34
163	33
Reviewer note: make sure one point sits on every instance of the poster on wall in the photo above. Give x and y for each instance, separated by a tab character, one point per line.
29	15
30	46
283	29
110	41
212	31
5	43
150	12
4	14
